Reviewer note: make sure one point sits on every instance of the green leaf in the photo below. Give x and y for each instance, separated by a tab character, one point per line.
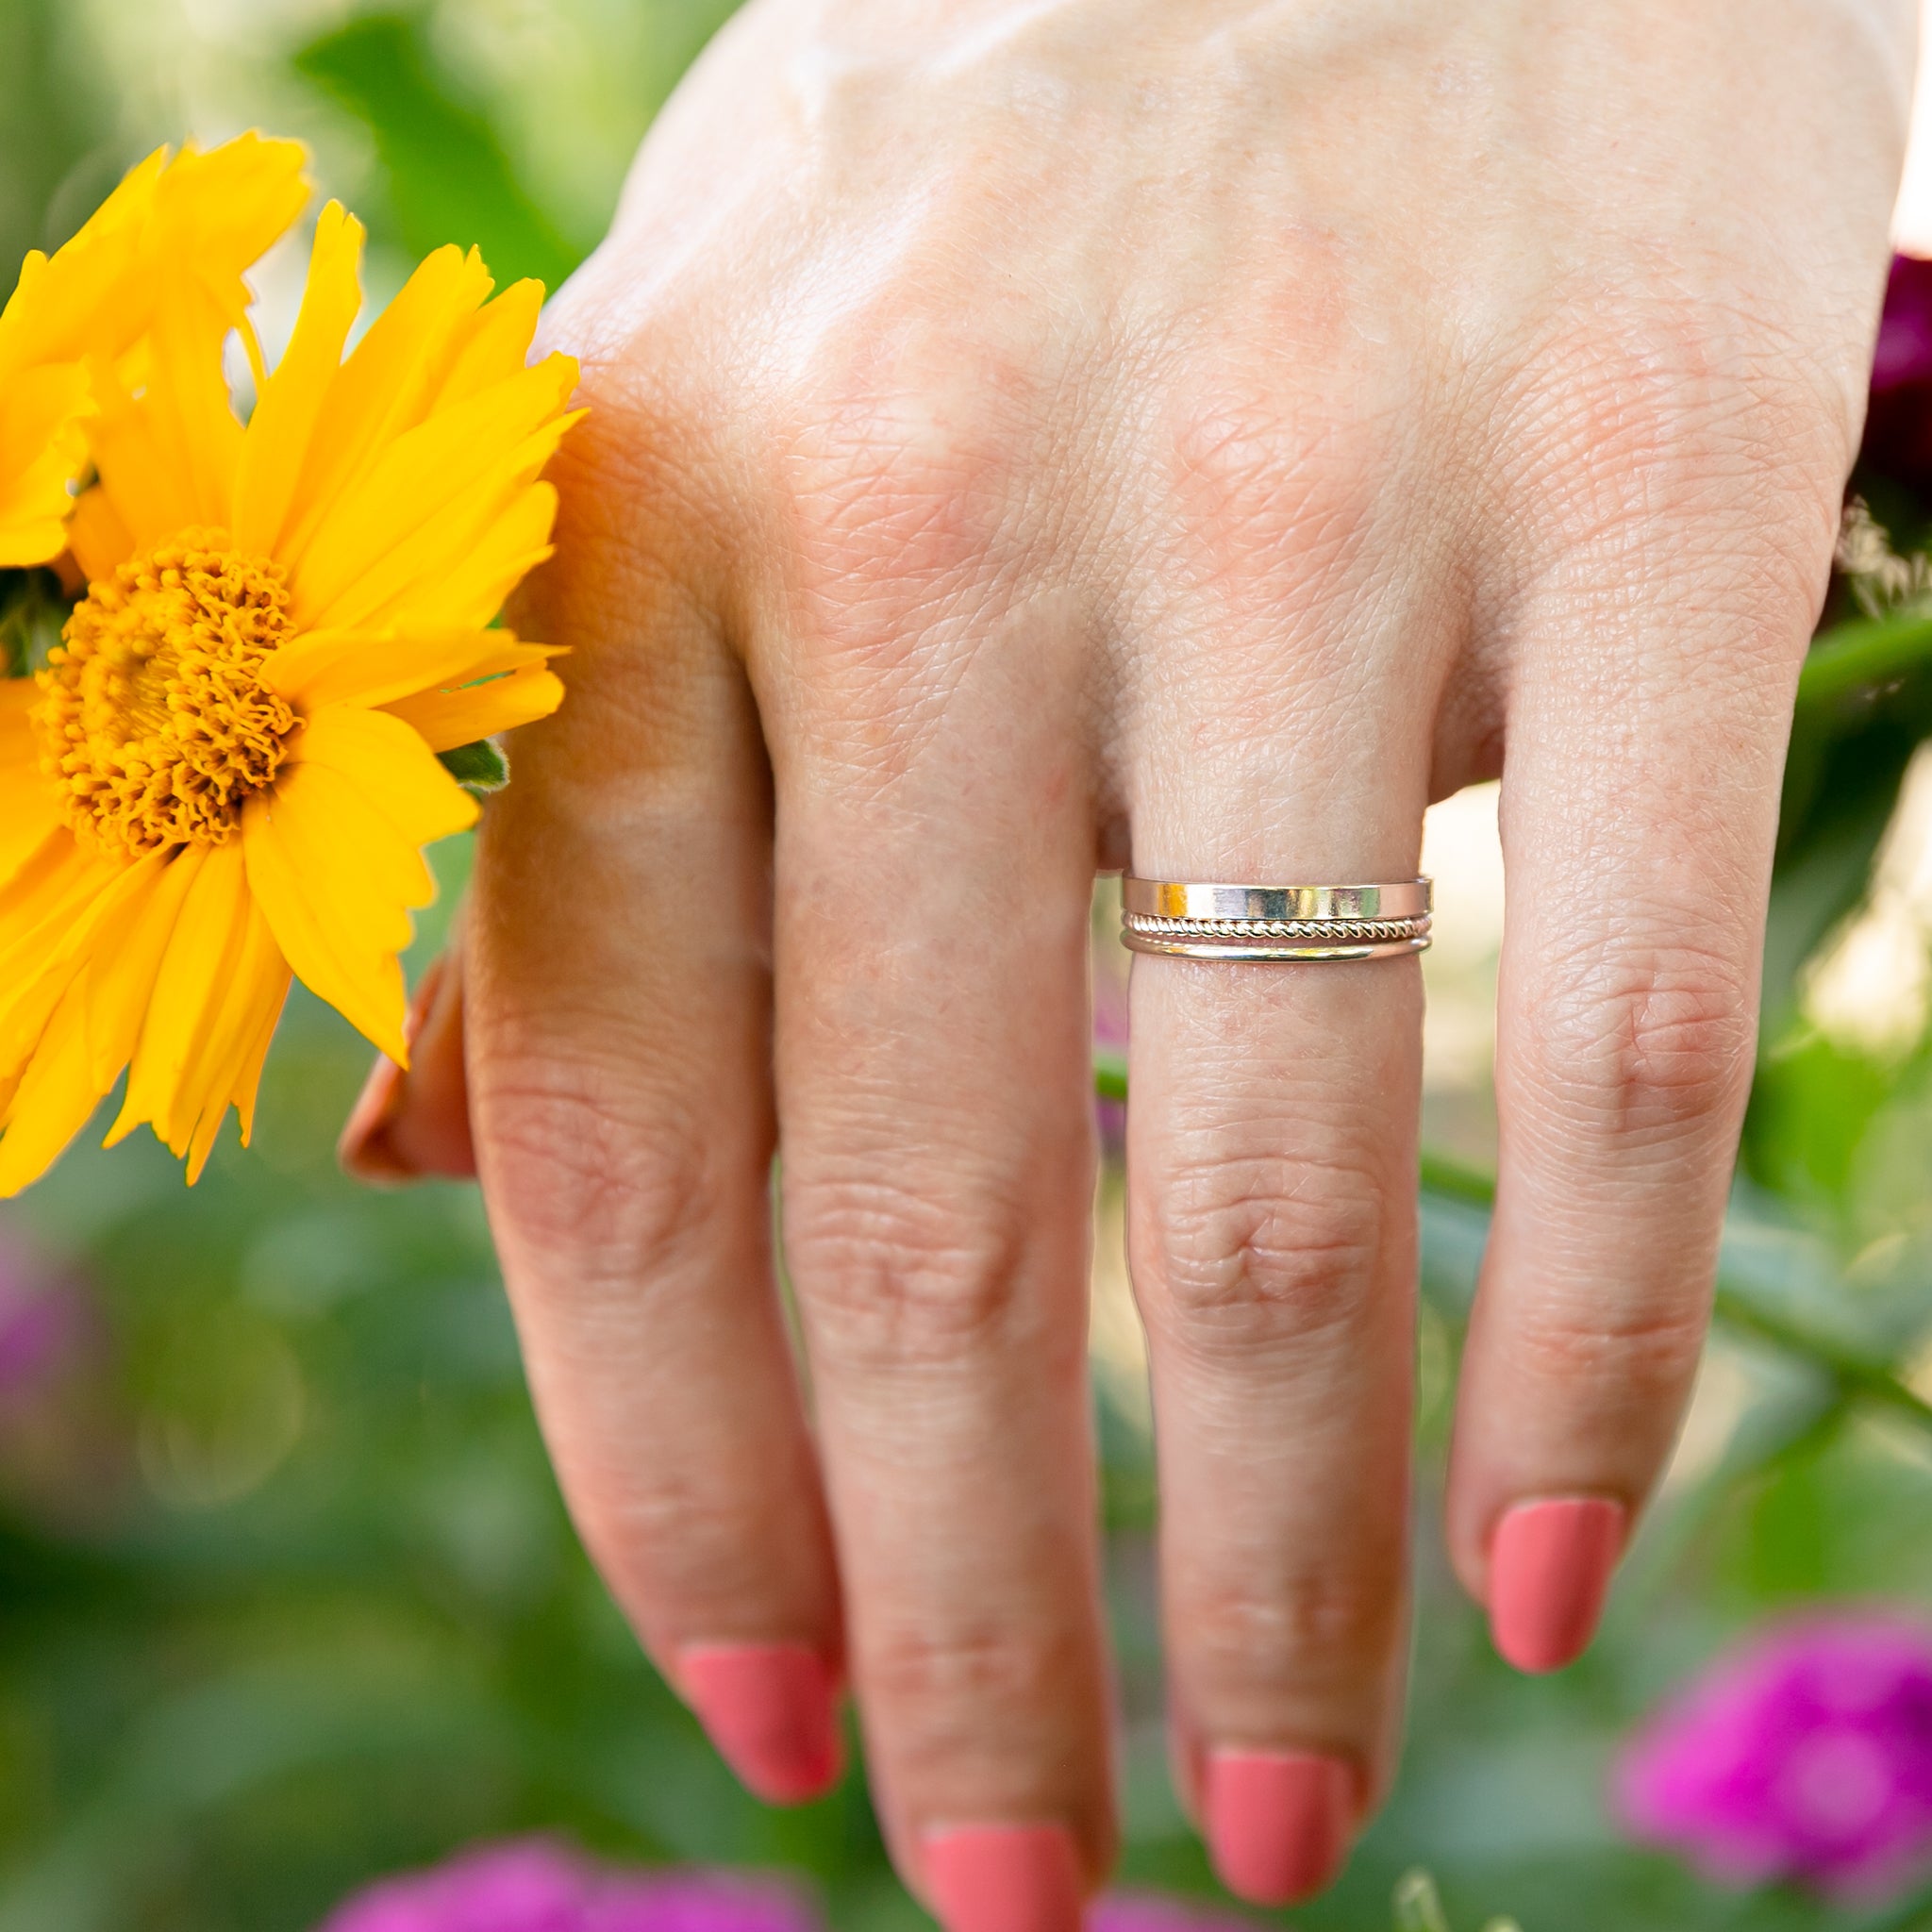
1854	657
56	157
1811	1106
33	607
479	768
1109	1074
448	176
1864	705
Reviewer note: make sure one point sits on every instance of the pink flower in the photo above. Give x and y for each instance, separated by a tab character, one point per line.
46	1324
1805	1756
533	1885
1898	431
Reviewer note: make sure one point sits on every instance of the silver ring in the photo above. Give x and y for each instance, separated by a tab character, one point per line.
1223	922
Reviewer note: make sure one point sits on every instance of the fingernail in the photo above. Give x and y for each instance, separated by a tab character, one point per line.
772	1710
368	1148
1550	1564
364	1148
1278	1822
1004	1877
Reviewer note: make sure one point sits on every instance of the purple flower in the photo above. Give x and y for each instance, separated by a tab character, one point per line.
533	1885
1805	1756
1898	431
45	1324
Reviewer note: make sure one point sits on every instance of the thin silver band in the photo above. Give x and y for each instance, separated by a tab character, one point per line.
1284	922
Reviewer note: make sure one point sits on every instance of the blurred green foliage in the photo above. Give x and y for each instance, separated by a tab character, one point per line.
54	165
288	1598
447	176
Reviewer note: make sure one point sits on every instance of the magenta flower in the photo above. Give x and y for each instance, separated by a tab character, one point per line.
1898	431
47	1323
533	1885
1807	1756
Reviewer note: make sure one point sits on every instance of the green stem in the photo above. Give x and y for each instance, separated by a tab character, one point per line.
1851	656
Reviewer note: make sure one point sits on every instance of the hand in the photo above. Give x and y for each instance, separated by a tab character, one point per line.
1031	438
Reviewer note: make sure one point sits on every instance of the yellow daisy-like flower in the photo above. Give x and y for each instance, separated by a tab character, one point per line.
164	252
227	770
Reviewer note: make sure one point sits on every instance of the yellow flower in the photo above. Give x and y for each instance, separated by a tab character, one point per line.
228	769
165	251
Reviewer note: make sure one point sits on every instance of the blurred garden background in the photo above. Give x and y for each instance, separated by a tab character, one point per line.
288	1599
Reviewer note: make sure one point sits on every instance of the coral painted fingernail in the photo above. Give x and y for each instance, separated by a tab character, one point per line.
363	1149
1004	1877
1550	1564
772	1710
1278	1822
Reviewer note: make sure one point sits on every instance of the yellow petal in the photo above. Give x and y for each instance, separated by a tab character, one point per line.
388	383
195	961
98	536
392	768
335	862
461	573
49	910
238	1043
372	668
217	212
191	413
446	719
217	982
467	461
164	255
142	485
53	1100
64	908
492	344
75	303
42	444
125	961
277	440
29	804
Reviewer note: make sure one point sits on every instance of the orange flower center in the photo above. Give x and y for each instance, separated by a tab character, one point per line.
152	719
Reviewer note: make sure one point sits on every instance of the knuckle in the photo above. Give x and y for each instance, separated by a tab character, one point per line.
1315	1616
1267	475
1239	1251
1638	1355
615	1187
946	1680
1641	1044
1628	409
891	1273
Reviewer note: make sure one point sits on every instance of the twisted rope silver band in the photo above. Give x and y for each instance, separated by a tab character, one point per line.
1224	922
1336	929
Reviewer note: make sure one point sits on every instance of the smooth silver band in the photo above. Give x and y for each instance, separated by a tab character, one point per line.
1286	923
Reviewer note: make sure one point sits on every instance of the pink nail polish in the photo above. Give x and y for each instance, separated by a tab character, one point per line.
1550	1564
1278	1822
1004	1877
772	1710
363	1148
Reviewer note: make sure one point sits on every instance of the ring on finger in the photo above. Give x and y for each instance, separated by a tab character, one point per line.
1201	921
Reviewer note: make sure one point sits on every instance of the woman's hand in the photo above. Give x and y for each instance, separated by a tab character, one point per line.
1033	436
